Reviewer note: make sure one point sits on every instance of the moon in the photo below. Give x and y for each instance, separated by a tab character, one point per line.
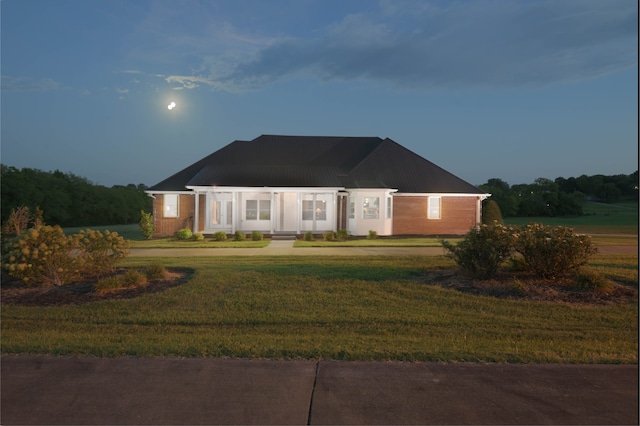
171	106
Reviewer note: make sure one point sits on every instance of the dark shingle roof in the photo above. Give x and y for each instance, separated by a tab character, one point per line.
318	161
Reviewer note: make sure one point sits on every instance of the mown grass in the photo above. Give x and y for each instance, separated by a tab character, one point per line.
599	218
346	308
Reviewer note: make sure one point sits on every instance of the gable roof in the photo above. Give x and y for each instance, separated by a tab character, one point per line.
318	161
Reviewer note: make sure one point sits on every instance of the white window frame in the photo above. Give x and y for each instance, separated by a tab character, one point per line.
171	205
371	207
263	210
434	208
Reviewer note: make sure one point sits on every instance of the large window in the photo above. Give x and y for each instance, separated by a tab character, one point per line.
388	207
371	208
258	210
170	207
221	212
314	209
435	208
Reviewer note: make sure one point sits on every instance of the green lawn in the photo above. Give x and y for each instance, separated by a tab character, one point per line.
347	308
599	218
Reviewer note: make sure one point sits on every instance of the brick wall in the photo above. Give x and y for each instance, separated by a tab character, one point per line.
410	216
168	226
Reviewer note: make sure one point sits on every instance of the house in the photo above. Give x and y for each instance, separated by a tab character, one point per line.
298	184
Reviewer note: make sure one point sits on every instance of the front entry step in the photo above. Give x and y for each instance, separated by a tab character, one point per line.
287	237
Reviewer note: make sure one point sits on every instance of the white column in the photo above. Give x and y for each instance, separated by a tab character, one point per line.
196	215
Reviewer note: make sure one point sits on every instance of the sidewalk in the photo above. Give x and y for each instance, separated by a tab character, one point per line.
285	248
69	390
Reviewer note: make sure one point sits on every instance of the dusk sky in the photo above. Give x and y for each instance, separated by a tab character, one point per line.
508	89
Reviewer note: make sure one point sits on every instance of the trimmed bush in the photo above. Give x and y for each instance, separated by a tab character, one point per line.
184	234
198	237
256	236
552	252
146	224
239	236
372	235
220	236
329	236
491	214
308	236
482	250
342	235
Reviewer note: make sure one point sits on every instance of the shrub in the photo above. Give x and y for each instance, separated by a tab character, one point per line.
482	250
198	236
43	255
552	252
591	280
17	222
155	271
329	236
256	236
342	235
184	234
220	236
372	235
308	236
491	214
99	251
146	224
239	236
109	283
133	278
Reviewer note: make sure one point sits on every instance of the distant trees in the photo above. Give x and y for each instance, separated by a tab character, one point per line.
560	197
70	200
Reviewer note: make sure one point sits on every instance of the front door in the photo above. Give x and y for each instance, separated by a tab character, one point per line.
286	212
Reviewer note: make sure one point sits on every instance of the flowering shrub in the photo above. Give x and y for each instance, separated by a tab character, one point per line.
44	255
482	250
552	252
99	252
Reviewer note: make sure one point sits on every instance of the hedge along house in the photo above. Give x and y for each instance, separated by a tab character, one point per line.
298	184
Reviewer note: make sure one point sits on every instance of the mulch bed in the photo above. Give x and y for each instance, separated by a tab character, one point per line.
13	292
525	286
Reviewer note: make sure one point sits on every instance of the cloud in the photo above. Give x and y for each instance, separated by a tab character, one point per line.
22	84
452	45
189	82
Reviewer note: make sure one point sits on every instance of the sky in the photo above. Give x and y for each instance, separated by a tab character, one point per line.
508	89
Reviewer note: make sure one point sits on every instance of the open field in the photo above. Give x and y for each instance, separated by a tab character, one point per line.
346	308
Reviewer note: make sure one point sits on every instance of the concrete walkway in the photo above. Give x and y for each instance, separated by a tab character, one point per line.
285	248
159	391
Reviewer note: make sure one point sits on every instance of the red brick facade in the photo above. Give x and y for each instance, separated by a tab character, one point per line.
168	226
410	216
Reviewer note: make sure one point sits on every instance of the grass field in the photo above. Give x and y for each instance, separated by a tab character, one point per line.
360	308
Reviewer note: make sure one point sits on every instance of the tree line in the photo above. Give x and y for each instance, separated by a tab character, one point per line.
560	197
69	200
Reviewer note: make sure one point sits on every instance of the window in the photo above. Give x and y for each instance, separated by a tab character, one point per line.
388	207
435	208
352	208
314	209
258	210
170	208
371	208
